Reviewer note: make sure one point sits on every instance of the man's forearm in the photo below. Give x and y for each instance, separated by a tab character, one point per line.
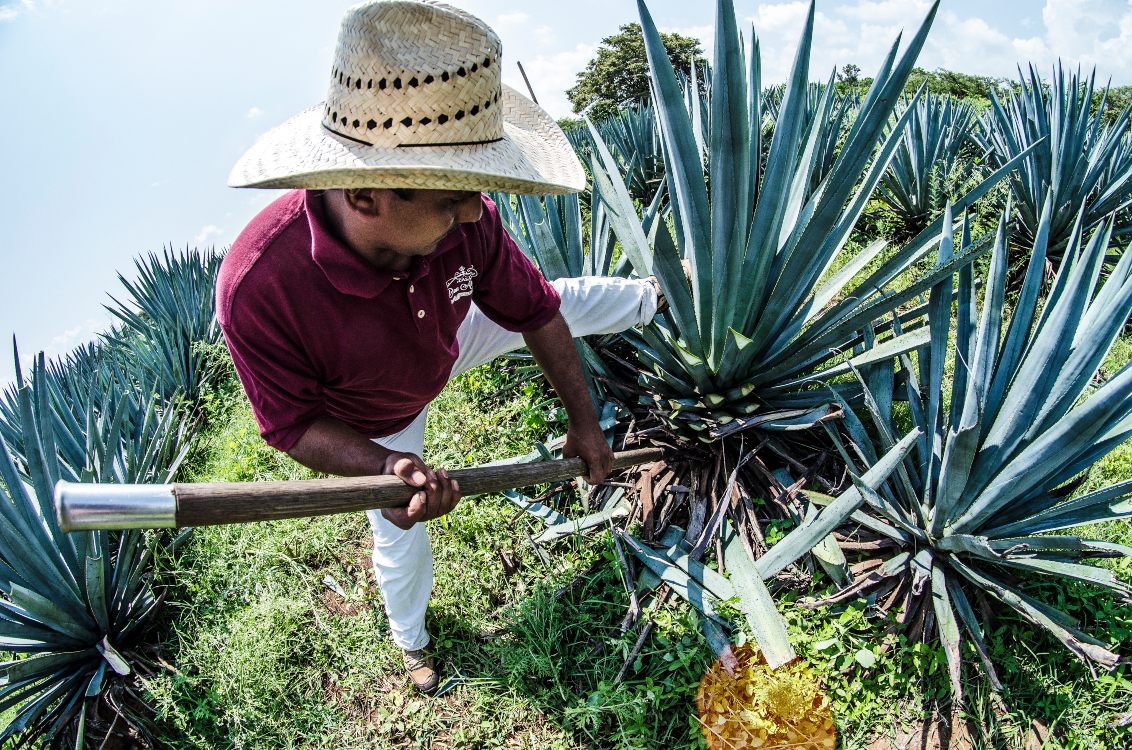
553	348
332	447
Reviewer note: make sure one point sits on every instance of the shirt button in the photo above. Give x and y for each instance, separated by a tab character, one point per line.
420	313
411	289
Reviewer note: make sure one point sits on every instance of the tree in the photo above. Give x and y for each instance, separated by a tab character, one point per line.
974	89
619	73
850	75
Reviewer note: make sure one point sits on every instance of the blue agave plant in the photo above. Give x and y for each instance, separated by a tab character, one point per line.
985	501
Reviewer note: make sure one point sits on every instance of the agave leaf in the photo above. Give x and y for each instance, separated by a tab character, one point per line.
799	194
36	562
1049	346
1022	318
1088	649
615	507
35	608
896	511
832	560
1066	544
948	630
730	165
962	446
916	248
19	635
94	687
802	539
112	657
96	591
966	315
670	273
694	592
802	270
610	188
811	341
37	665
551	256
780	165
674	543
716	638
939	316
830	288
31	711
971	623
750	596
1095	507
685	170
881	353
547	515
767	625
1071	571
1040	459
1094	337
978	546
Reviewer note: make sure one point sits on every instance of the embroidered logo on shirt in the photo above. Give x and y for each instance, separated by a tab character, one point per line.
460	285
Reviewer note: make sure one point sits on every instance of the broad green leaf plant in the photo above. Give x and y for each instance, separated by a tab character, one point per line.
934	157
764	312
72	606
986	500
1083	163
169	312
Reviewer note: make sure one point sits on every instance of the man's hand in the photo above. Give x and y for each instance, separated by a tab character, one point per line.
590	446
438	494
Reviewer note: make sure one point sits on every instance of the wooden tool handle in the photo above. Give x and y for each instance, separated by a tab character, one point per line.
210	504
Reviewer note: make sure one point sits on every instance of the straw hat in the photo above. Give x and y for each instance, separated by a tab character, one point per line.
415	101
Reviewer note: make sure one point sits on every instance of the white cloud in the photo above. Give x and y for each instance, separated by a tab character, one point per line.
67	337
551	75
72	337
1091	33
13	9
253	113
886	12
1080	32
207	232
779	27
545	36
507	20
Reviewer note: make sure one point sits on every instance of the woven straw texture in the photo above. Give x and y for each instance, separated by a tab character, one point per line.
415	100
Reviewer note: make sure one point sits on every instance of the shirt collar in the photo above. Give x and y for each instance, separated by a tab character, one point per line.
347	271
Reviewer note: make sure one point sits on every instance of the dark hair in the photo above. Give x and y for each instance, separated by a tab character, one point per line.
404	194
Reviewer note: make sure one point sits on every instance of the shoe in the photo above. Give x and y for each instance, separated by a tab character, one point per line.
422	671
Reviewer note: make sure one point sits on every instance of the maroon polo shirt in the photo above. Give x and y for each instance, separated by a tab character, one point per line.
315	331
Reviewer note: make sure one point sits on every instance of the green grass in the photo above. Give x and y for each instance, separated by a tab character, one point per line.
263	654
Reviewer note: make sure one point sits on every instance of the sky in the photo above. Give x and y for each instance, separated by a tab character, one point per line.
122	118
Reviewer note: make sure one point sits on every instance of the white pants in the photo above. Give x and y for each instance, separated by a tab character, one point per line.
402	560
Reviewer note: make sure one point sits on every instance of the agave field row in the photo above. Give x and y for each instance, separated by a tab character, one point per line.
925	450
76	610
920	412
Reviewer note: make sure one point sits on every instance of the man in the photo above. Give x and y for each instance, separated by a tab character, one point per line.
349	303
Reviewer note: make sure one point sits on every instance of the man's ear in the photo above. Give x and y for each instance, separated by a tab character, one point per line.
368	202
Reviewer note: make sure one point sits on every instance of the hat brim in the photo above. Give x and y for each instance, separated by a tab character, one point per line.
533	157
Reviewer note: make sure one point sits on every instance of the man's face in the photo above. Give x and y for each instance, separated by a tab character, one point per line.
417	220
